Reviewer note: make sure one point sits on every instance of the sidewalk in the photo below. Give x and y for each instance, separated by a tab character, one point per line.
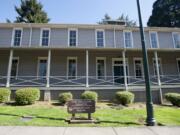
89	131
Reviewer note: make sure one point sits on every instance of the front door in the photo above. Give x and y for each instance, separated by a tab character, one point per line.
118	71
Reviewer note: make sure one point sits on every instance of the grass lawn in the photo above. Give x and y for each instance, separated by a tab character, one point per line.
51	115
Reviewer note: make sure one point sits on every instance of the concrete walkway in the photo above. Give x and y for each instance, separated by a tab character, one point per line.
89	131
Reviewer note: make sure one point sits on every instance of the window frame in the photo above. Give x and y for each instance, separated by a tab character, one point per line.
131	36
67	68
41	34
41	58
105	73
157	38
159	59
104	40
13	34
137	58
173	33
69	30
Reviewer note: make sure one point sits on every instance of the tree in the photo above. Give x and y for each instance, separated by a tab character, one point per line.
166	13
129	23
125	18
31	11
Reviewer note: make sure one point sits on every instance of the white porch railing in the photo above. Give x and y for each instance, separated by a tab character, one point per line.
80	81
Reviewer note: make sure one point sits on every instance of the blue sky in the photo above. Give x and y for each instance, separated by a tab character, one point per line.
82	11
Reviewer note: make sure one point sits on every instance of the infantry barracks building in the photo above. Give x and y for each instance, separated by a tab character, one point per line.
73	57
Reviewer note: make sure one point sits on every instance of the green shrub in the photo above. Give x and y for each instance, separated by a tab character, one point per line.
124	97
4	95
89	95
174	98
27	96
65	97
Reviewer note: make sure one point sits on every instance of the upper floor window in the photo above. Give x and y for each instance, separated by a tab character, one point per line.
154	39
176	39
100	38
73	37
128	40
17	37
45	35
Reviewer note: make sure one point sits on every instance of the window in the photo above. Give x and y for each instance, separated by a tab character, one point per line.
100	68
73	37
14	68
176	39
42	67
128	39
72	68
159	65
138	68
17	37
100	38
178	65
45	34
154	39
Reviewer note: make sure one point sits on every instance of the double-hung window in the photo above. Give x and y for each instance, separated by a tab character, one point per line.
72	37
100	67
128	40
138	68
42	67
100	41
176	39
72	67
17	37
159	66
45	35
154	39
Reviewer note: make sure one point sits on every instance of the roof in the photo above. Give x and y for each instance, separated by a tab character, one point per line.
85	26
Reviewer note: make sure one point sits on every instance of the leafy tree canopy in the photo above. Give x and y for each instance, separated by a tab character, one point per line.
166	13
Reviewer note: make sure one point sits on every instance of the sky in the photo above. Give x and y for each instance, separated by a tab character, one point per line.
82	11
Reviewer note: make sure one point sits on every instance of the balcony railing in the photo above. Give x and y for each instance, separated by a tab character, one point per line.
81	81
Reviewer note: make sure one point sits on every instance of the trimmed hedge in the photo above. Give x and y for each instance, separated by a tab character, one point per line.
89	95
124	97
4	94
65	97
174	98
27	96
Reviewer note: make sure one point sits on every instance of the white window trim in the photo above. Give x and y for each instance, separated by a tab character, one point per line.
67	68
132	40
105	73
13	34
41	58
40	43
104	38
120	59
173	33
17	70
73	29
178	59
154	66
157	37
137	58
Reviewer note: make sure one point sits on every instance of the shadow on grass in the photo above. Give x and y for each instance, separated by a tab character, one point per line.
40	117
119	122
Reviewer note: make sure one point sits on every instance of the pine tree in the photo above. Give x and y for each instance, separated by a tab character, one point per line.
166	13
31	11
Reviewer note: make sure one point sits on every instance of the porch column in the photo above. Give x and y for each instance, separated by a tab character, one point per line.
48	68
9	68
158	75
87	68
124	69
